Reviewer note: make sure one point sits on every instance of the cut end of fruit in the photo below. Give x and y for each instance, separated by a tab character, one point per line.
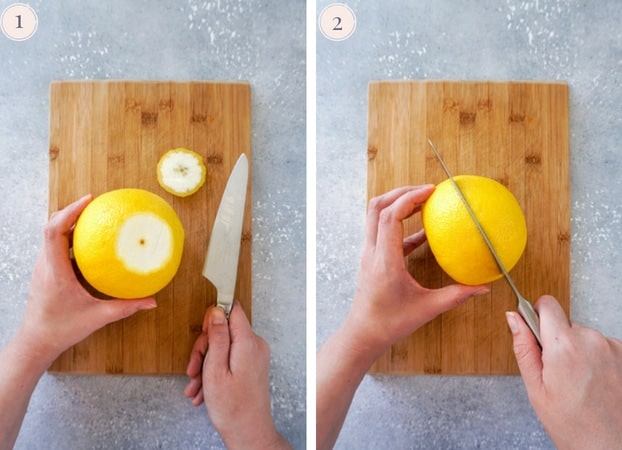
181	172
128	243
144	243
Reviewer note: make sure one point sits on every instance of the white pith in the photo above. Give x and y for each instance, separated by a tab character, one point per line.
144	243
181	171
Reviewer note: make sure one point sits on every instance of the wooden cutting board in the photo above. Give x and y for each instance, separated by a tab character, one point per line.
514	132
106	135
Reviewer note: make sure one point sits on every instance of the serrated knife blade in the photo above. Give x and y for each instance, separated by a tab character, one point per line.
223	250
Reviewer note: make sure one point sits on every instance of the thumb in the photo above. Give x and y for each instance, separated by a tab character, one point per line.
449	297
528	354
217	357
114	310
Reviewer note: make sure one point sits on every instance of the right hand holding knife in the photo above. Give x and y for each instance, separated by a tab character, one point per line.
232	378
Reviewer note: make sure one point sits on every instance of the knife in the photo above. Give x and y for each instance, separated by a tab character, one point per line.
223	251
524	306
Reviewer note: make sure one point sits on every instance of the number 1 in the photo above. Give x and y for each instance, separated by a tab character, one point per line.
19	21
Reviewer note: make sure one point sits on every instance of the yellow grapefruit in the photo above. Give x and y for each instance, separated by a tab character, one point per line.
454	238
128	243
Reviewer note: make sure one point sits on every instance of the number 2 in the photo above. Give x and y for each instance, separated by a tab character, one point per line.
337	22
337	26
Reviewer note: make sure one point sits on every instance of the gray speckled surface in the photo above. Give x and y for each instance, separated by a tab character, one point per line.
190	39
575	41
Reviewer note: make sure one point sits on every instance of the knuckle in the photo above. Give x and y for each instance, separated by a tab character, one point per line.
262	346
378	207
595	340
386	215
522	351
50	230
375	204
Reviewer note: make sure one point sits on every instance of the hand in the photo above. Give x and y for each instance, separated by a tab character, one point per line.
60	312
232	379
389	303
575	382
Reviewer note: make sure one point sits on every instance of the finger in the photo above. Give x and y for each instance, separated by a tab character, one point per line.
527	352
390	229
195	363
239	325
61	222
553	319
413	241
198	399
449	297
57	231
117	309
376	205
217	358
193	387
206	320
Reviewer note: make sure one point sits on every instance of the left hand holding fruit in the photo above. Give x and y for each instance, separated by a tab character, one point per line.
60	312
389	303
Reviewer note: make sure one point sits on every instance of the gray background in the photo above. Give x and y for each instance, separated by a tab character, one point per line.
575	41
260	42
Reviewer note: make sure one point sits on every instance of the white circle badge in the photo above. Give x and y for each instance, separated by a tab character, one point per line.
337	22
19	22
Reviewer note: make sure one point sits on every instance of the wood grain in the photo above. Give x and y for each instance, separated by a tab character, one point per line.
106	135
514	132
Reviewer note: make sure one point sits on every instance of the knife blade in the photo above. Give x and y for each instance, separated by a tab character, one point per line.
223	250
525	307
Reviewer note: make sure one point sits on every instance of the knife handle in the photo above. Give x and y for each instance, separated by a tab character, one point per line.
531	317
225	302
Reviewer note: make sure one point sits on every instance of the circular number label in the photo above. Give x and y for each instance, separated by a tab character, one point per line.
19	22
337	22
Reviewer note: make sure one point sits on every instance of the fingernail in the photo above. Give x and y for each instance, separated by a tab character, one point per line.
148	306
218	316
482	291
512	323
